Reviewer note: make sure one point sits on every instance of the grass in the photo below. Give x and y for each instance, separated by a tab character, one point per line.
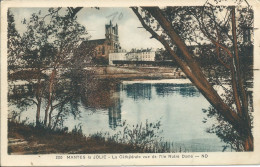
27	139
46	141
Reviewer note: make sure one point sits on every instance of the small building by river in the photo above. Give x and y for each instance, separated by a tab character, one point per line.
135	55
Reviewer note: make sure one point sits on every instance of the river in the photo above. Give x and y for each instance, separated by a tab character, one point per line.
108	107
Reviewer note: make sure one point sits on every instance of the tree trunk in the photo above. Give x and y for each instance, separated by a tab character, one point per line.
248	143
241	92
50	96
39	99
38	112
192	70
57	117
50	114
239	78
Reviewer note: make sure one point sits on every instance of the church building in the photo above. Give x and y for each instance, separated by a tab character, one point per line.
102	47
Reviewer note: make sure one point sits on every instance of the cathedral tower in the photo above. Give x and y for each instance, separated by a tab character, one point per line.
112	36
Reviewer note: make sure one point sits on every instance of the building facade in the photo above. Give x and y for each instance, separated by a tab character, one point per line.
102	47
144	55
105	51
117	56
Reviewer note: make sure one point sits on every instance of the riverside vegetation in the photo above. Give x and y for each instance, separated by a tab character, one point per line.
55	97
28	139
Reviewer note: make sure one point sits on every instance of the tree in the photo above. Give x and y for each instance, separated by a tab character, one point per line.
65	100
162	55
49	44
175	27
15	60
14	40
165	20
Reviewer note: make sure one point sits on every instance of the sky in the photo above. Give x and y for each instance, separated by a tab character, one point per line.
130	36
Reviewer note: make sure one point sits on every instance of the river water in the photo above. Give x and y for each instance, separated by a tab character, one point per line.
109	107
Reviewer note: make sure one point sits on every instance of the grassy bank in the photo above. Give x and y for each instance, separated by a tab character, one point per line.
27	139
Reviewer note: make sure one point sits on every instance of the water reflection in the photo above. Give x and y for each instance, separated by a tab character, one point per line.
105	95
102	105
95	95
99	94
138	91
186	90
114	114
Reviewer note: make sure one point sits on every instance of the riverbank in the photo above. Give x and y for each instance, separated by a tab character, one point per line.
135	73
27	139
105	72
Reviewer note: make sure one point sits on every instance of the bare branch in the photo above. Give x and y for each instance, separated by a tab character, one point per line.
74	11
207	90
239	79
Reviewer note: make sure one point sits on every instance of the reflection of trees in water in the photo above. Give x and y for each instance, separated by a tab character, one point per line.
186	90
138	91
114	114
144	91
99	94
103	94
70	91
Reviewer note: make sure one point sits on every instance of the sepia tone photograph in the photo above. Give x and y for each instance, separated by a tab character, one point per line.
136	80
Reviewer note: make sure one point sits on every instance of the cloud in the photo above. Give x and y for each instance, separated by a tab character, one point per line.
95	26
133	37
130	36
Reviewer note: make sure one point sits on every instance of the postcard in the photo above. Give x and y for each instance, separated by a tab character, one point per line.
114	82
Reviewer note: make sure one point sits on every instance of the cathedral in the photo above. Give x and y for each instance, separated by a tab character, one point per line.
102	47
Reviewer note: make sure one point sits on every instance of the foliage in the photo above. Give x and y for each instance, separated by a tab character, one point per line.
45	141
162	55
13	43
209	32
142	136
65	101
51	39
48	44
